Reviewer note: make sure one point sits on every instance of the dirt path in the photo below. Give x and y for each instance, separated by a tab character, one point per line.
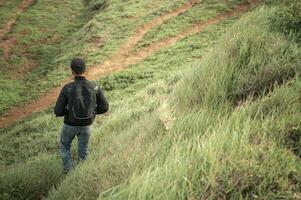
119	60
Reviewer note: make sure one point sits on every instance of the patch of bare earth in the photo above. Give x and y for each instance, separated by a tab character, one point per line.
120	60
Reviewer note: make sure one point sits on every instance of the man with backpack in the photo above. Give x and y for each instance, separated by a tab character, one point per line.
79	102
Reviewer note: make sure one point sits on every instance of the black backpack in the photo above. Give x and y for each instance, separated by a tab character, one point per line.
82	103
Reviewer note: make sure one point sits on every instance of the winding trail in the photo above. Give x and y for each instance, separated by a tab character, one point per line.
121	59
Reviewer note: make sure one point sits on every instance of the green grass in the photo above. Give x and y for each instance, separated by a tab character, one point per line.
163	63
10	90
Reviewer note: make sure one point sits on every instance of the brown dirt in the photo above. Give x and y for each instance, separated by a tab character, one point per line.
119	60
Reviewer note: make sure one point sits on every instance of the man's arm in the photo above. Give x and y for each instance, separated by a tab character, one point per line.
102	105
61	104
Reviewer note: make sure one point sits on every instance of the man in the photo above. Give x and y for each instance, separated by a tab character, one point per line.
78	102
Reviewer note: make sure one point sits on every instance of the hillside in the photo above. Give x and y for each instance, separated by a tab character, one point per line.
204	99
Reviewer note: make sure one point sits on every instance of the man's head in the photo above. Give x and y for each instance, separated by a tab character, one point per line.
78	66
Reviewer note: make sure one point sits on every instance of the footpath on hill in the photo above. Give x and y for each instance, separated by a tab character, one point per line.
122	58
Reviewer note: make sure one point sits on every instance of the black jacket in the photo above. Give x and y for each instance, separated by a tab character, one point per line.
61	106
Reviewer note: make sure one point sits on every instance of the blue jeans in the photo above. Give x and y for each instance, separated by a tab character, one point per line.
67	136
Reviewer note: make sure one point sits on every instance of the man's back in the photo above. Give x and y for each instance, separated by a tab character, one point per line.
66	97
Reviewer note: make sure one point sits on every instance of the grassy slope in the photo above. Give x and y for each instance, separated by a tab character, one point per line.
50	45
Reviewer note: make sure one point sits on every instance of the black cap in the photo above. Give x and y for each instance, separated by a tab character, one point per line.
78	65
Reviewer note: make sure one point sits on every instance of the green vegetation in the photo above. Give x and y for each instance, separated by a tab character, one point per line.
227	128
